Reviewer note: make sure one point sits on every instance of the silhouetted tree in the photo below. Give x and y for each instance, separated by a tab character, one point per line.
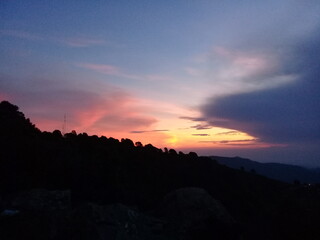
172	152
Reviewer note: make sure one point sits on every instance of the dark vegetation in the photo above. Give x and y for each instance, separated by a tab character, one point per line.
99	172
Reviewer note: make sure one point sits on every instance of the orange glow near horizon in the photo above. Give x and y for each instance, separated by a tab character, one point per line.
125	117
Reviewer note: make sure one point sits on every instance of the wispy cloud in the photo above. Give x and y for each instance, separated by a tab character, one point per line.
195	119
231	70
102	68
228	133
201	134
202	126
233	142
118	72
108	70
81	42
22	35
148	131
78	42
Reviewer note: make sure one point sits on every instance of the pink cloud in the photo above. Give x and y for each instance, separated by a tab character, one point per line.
109	111
97	114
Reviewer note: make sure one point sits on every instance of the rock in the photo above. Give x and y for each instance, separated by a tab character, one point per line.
191	205
43	200
115	222
37	214
9	212
194	214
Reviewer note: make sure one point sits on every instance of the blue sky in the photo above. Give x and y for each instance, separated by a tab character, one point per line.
217	77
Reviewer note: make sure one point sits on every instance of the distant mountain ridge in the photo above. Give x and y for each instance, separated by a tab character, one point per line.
283	172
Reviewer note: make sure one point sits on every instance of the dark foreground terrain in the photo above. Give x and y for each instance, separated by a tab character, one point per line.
87	187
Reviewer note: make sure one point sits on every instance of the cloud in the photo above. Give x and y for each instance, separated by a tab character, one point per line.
148	131
284	113
228	133
201	134
108	70
108	111
202	126
66	41
263	79
234	142
22	35
195	119
102	68
81	42
235	70
116	71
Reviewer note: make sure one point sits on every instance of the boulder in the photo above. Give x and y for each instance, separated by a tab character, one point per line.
37	214
194	214
43	200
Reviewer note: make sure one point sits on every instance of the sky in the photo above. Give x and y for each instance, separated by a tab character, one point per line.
230	78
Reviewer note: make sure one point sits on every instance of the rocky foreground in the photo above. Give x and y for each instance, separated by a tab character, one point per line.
187	213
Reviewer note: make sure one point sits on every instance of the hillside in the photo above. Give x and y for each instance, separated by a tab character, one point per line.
282	172
88	187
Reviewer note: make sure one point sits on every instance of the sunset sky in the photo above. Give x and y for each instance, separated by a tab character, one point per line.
216	77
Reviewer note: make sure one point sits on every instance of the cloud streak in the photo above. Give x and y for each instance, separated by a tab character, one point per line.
81	42
22	35
150	131
228	133
118	72
194	119
234	142
202	126
77	42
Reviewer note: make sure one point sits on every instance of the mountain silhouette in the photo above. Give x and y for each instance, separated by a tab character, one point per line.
282	172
